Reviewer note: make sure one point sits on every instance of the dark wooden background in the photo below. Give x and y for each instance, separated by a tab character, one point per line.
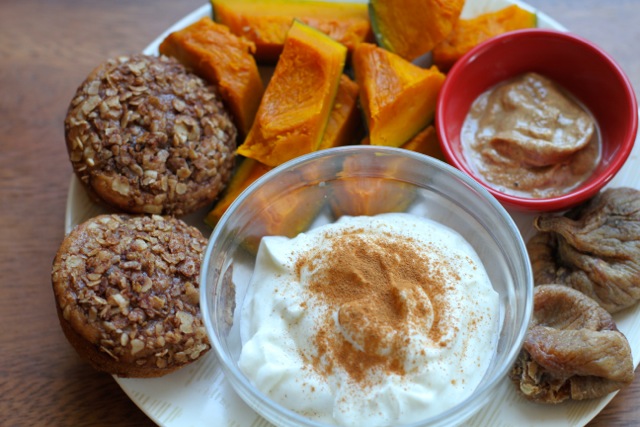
47	47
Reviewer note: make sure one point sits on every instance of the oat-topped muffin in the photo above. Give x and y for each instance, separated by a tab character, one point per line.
127	292
145	135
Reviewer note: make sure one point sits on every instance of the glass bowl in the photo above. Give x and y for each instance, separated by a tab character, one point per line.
305	193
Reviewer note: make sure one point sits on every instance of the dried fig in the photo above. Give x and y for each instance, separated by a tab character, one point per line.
572	350
594	248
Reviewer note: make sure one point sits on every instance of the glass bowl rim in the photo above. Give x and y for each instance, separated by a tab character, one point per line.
463	409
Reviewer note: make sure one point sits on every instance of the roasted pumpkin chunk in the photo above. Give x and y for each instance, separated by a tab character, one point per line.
343	128
247	172
224	60
344	125
412	28
266	22
286	214
298	100
426	142
276	214
371	193
398	97
467	33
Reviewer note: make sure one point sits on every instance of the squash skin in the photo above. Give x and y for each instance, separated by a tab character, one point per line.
224	60
296	105
266	22
411	28
467	33
398	98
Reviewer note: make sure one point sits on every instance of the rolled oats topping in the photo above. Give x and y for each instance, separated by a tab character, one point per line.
145	135
129	285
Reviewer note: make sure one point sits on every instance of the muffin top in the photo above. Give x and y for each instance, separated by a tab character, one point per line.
129	286
145	135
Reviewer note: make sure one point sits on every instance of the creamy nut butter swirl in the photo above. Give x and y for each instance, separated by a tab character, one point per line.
528	137
369	321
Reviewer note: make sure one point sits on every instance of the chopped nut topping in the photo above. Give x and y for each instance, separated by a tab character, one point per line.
136	346
143	133
134	282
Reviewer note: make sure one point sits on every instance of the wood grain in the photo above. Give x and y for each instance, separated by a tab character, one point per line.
46	50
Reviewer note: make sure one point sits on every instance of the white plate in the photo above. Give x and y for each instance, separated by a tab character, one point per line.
198	394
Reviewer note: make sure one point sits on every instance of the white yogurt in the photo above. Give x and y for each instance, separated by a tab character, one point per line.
403	336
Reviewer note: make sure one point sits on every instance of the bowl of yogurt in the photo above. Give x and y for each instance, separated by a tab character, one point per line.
366	285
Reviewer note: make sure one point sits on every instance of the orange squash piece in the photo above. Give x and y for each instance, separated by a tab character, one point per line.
374	195
298	100
426	142
287	212
224	60
248	172
398	97
411	28
342	128
266	22
370	195
467	33
287	215
344	125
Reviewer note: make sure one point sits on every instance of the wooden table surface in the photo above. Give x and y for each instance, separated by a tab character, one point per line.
47	47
